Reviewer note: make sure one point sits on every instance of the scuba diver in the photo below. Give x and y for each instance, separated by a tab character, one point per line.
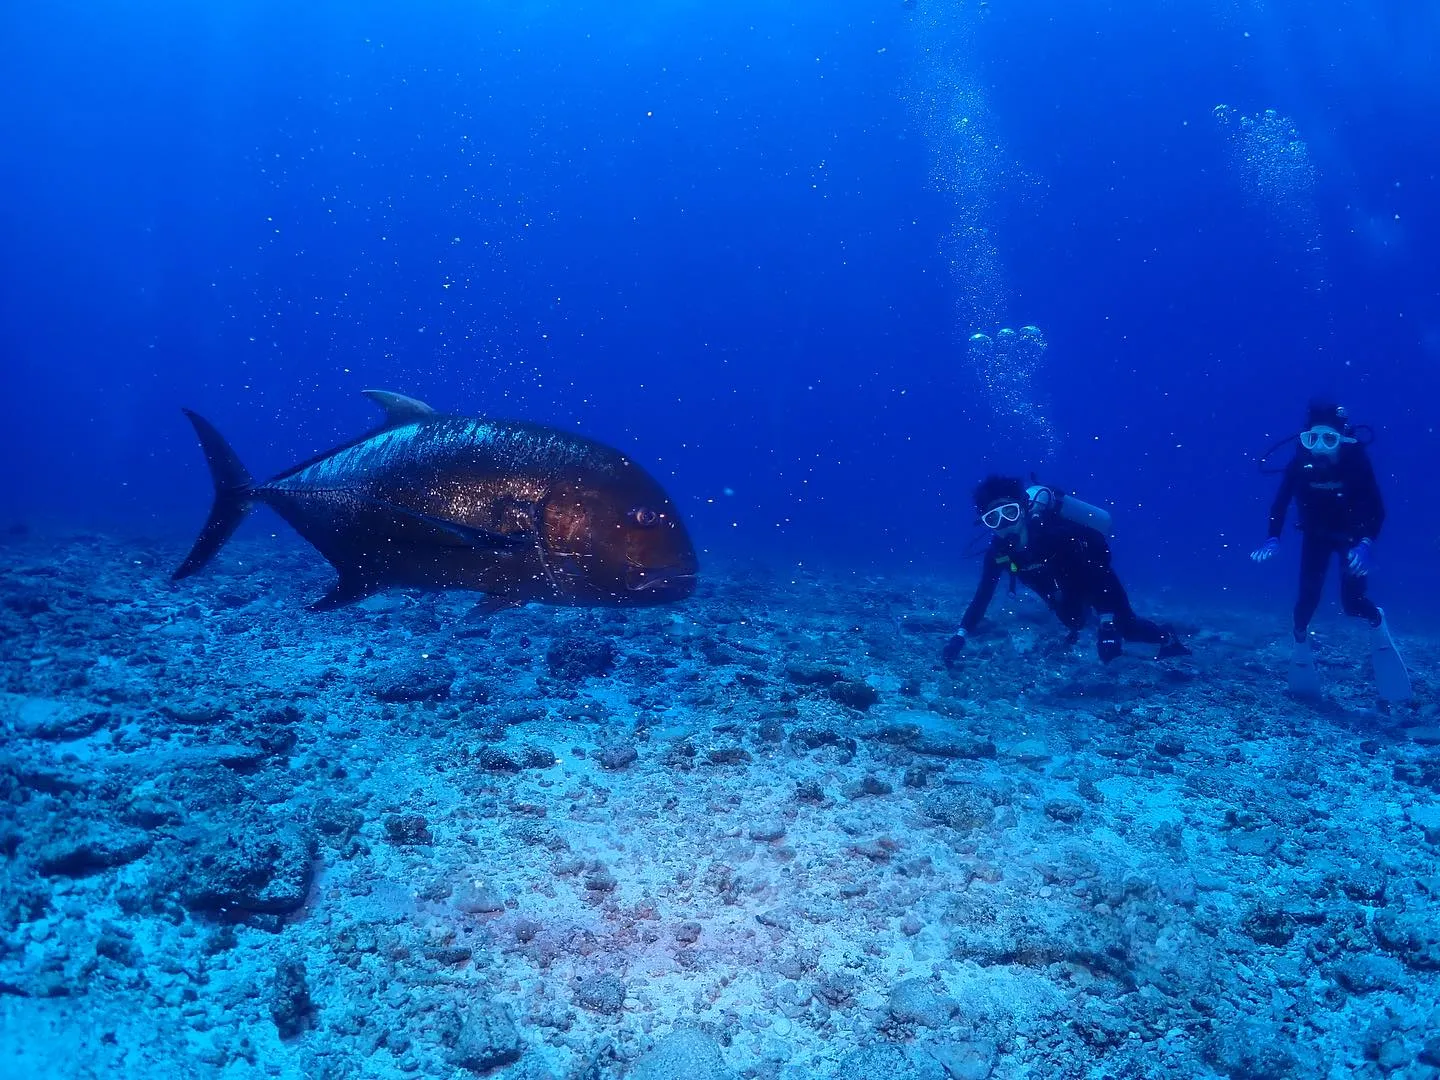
1055	545
1339	513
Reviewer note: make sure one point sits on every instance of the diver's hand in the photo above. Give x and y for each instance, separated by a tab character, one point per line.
953	648
1266	550
1360	559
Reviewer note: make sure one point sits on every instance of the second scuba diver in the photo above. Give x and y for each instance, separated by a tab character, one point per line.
1055	545
1339	512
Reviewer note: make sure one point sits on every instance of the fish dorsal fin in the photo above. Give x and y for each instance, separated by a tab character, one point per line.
400	409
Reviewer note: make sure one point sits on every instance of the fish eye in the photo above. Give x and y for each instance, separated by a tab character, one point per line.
644	517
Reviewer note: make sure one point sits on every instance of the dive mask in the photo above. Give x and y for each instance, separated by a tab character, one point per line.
999	516
1325	439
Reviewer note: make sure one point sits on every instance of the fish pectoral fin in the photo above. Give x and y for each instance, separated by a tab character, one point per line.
349	588
400	409
484	538
469	534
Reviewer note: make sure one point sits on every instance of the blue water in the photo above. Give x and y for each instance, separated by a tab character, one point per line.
819	266
711	234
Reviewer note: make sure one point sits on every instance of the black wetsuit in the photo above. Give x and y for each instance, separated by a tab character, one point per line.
1068	566
1338	504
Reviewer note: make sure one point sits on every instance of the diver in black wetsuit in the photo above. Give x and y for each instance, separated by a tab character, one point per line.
1051	544
1339	514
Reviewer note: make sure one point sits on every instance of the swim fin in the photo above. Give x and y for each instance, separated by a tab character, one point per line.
1392	681
1304	679
1171	646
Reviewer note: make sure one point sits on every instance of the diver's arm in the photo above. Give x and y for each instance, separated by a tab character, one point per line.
1282	502
984	593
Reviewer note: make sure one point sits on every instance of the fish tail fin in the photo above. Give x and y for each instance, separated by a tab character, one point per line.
234	492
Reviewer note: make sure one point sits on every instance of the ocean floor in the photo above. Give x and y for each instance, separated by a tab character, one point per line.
761	834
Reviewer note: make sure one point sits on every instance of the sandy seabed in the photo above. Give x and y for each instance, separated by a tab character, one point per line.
763	833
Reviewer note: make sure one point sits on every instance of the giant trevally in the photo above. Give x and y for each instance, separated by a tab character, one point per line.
518	511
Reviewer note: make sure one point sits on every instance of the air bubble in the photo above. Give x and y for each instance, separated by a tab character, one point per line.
1273	164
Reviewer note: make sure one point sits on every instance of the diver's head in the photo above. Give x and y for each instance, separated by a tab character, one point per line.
1001	502
1327	429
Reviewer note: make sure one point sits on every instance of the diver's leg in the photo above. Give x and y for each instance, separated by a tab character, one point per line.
1109	599
1314	559
1353	598
1315	554
1069	607
1112	600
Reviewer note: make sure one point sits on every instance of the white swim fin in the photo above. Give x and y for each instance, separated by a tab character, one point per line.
1304	679
1392	681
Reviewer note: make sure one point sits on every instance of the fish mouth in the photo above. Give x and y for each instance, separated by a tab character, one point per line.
671	581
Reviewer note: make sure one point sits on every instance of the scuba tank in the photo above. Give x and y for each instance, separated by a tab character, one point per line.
1047	500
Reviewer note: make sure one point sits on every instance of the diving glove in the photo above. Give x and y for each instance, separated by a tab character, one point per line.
1360	559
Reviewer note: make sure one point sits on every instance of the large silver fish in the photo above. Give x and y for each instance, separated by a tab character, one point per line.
519	511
